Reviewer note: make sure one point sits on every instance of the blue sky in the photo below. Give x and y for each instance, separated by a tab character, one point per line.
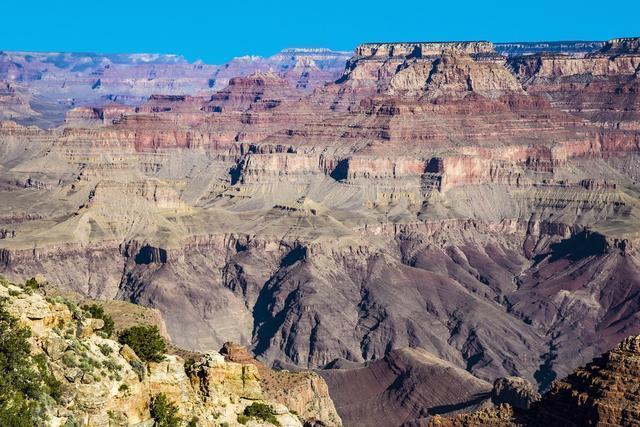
216	31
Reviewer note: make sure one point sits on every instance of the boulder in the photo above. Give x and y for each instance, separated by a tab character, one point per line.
515	391
55	346
129	355
87	327
73	374
87	378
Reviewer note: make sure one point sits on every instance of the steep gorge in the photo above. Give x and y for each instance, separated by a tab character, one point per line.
437	196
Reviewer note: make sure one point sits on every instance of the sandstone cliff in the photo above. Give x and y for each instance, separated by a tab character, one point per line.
103	383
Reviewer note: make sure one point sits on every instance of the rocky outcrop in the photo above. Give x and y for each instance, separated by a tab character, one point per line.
621	46
602	86
66	81
419	50
255	92
454	73
14	103
517	392
306	393
103	382
602	393
96	116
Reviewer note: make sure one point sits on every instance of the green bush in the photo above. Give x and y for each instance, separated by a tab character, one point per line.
188	364
242	419
25	381
71	422
105	349
97	312
163	412
52	386
31	285
261	411
111	365
69	360
139	368
146	341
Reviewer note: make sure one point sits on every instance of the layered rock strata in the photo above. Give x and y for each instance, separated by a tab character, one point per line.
603	393
450	199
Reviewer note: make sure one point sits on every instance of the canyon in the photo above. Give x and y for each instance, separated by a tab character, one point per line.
409	217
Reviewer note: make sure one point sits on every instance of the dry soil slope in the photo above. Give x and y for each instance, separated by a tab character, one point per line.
405	385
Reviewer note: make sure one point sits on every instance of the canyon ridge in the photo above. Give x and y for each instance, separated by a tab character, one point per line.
410	230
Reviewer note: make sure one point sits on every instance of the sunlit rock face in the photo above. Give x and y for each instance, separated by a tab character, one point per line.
442	196
102	382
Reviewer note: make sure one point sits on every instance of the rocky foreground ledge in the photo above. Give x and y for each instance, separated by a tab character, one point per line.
93	380
101	382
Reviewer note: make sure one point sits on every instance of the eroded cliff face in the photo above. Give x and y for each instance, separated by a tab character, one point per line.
104	383
46	85
602	86
303	392
436	196
602	393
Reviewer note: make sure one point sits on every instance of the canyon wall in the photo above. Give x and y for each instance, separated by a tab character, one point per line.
440	196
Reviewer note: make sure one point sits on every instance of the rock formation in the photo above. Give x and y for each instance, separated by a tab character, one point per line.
104	383
480	207
304	392
53	83
515	391
603	393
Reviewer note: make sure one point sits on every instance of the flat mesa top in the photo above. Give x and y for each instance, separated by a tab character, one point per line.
426	42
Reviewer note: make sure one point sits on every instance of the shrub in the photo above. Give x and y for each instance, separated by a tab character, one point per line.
111	365
71	422
193	422
97	312
24	380
163	412
261	411
105	349
74	309
242	419
69	360
52	386
124	389
88	364
139	368
146	341
31	285
189	364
